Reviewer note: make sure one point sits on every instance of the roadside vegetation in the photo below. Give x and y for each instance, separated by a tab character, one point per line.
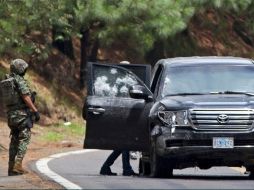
65	133
134	29
58	38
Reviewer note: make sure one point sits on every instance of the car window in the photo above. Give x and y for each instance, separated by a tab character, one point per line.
112	81
207	79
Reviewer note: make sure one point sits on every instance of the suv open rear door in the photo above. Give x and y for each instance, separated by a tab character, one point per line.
114	120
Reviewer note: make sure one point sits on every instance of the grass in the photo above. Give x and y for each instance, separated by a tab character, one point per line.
60	132
52	136
75	129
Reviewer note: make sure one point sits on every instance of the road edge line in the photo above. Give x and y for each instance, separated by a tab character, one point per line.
42	166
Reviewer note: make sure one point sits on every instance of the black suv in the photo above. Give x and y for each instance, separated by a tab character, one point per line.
198	111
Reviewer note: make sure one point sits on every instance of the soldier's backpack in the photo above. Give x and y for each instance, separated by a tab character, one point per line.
9	92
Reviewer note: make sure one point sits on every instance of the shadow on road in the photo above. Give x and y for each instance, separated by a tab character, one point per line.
213	177
198	177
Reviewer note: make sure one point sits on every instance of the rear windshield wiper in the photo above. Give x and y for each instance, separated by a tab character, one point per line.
186	94
234	92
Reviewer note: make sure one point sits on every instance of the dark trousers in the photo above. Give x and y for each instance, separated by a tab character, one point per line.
20	139
125	159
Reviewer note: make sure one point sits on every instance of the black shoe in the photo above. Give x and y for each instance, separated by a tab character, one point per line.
129	173
107	171
11	173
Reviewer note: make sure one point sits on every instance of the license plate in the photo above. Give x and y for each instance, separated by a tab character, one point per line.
223	142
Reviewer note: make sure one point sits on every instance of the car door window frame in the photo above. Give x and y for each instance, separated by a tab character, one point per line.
90	88
156	80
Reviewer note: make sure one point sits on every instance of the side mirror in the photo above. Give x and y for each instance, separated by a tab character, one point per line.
140	92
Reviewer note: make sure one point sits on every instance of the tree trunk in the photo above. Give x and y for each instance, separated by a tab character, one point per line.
156	53
94	51
64	45
83	61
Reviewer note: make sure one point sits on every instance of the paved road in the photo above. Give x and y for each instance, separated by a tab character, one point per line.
83	170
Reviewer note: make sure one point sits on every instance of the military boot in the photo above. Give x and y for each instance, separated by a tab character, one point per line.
10	168
17	168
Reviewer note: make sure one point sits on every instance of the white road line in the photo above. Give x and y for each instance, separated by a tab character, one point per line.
42	166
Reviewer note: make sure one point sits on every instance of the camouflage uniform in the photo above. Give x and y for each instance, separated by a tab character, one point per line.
18	118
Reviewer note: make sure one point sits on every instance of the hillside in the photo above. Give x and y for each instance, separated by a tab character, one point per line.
56	79
209	33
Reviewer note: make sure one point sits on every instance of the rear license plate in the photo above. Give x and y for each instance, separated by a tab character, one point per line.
223	142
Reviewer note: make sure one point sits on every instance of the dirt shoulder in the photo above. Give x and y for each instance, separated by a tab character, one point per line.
37	149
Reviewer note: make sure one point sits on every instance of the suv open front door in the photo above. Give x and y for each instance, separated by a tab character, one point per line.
114	120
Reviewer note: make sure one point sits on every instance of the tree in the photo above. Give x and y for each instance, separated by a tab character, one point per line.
10	26
143	23
19	18
139	25
90	17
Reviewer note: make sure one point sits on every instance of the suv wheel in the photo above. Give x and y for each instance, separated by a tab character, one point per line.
251	176
160	167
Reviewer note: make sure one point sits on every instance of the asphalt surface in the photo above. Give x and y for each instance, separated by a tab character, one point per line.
83	170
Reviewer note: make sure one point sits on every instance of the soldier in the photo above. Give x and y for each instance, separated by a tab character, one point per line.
18	99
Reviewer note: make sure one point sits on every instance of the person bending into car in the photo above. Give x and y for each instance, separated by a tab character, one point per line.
127	169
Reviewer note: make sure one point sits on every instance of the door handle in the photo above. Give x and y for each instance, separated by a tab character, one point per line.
96	111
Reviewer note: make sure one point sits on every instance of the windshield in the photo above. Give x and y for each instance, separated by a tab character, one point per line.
208	79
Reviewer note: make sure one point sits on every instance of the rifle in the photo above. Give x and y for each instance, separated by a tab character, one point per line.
33	95
31	119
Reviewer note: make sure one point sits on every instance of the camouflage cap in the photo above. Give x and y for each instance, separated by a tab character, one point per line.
18	66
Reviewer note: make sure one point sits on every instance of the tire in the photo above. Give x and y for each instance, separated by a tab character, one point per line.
144	168
251	176
160	167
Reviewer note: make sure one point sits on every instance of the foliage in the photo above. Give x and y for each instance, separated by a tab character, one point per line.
245	17
137	24
18	19
10	26
110	20
52	136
